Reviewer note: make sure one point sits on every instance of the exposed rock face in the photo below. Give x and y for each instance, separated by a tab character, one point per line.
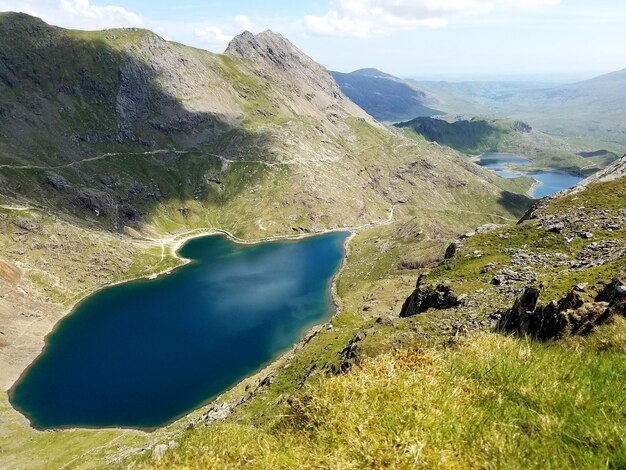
9	272
273	50
428	296
132	96
280	60
450	251
571	315
58	182
95	200
615	295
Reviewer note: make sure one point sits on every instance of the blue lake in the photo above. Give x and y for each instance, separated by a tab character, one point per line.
553	182
144	353
550	181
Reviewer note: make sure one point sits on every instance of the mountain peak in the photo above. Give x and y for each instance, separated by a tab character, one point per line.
279	59
269	48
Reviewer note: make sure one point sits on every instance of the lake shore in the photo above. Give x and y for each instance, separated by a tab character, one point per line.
173	244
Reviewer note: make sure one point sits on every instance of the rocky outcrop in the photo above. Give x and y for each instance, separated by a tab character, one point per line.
428	296
450	251
273	50
574	314
58	182
348	356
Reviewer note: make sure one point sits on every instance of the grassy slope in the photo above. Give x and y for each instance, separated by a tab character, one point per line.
486	401
427	397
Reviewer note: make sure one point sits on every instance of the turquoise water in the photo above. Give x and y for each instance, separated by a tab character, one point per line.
553	182
144	353
550	181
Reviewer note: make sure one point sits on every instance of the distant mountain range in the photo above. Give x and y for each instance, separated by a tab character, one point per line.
385	97
591	109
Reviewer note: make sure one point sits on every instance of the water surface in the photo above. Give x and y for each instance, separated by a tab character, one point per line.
550	181
143	353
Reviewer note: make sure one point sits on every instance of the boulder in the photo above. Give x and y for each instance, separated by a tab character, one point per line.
450	251
58	182
424	297
488	228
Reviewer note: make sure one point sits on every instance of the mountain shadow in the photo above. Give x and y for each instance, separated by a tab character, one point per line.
89	125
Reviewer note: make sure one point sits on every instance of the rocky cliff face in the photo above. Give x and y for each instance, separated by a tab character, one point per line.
275	53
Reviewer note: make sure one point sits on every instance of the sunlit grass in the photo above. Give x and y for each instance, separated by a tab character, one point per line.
488	401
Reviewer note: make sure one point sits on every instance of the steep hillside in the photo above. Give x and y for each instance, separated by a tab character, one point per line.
508	354
385	97
473	136
116	146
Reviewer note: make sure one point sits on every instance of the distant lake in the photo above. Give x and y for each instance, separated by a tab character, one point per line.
144	353
551	181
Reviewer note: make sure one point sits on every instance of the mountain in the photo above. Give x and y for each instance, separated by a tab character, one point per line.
116	146
383	96
587	109
471	136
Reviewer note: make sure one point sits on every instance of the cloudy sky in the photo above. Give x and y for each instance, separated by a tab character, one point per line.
409	38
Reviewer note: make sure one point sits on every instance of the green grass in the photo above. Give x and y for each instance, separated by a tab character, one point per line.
485	402
602	196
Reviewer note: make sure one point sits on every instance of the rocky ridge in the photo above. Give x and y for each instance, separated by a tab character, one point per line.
560	241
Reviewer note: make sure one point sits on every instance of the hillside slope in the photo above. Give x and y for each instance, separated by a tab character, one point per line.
591	109
508	354
478	135
385	97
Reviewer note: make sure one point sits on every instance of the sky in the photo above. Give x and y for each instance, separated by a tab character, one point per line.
438	39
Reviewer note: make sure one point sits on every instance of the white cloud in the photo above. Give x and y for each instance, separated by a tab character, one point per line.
213	36
367	18
243	22
216	37
107	16
80	14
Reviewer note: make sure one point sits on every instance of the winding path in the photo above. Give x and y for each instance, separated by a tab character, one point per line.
176	240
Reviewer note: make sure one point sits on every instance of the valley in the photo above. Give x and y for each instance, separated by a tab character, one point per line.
220	260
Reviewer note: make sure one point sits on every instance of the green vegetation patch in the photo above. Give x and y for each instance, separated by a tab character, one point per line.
487	401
